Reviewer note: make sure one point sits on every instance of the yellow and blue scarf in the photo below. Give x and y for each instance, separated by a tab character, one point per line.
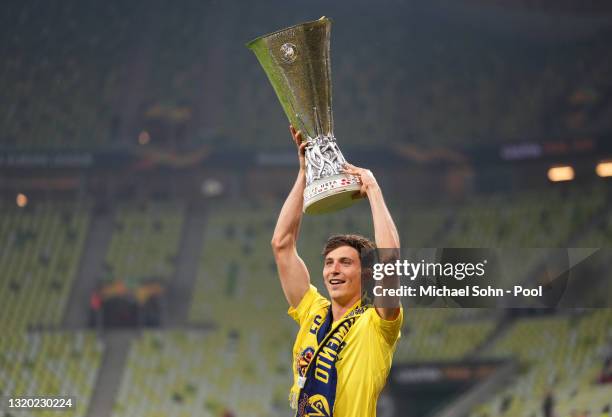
318	383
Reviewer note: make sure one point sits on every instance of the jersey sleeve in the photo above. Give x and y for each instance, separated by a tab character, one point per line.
389	329
312	300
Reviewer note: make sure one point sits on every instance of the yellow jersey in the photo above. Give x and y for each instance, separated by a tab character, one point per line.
362	363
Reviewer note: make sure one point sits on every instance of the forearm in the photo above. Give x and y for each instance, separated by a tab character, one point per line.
386	236
290	217
385	232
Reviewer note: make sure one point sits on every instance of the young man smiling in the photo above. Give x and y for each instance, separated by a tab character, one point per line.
343	350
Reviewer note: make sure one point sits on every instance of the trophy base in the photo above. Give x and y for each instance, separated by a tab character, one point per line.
331	194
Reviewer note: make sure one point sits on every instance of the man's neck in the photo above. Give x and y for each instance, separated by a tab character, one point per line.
340	309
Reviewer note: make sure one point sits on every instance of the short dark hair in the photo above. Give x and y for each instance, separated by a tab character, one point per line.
357	242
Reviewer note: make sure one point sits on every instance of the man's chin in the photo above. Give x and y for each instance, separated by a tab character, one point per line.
335	293
339	295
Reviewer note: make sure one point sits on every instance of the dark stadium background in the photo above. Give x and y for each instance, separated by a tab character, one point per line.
144	159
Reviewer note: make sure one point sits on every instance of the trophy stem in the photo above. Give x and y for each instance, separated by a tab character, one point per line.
318	127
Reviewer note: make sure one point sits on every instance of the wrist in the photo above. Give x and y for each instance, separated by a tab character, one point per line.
372	189
302	175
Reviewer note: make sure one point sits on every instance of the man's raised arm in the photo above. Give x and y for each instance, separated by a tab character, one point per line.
292	271
385	232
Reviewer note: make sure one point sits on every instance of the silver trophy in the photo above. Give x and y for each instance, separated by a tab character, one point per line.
296	61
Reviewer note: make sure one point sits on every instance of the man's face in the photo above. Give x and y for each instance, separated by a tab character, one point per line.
342	274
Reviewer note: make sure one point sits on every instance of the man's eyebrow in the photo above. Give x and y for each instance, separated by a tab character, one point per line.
342	258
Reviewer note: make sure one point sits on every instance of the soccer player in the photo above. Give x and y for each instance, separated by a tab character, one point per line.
343	350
